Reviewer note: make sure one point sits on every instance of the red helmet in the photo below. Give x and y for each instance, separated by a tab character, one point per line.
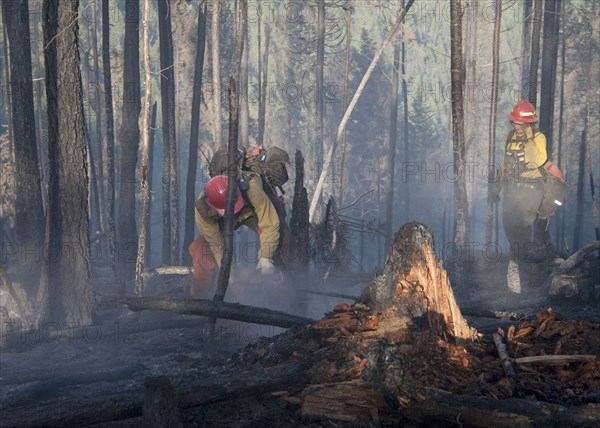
523	112
215	195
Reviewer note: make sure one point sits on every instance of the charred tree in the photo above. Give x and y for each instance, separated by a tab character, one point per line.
66	291
549	62
129	138
29	215
461	202
145	153
526	47
216	71
535	51
580	190
190	188
150	184
319	85
99	166
243	88
299	224
407	200
167	86
110	139
264	75
389	217
341	189
492	129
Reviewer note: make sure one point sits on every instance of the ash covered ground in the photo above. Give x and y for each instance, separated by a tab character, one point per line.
94	375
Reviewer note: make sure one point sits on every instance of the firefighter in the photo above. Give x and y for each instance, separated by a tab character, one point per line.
521	181
253	208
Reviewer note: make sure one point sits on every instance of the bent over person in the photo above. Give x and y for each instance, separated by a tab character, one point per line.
522	184
252	208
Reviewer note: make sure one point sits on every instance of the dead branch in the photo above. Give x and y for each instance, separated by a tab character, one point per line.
506	364
555	360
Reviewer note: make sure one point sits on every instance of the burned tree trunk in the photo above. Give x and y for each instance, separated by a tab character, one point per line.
414	284
299	223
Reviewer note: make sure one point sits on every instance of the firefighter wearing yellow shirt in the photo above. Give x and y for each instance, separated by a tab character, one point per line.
253	209
522	184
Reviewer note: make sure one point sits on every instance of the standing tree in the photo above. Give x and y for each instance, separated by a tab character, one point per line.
319	85
264	76
129	138
110	139
461	202
216	71
526	47
145	152
389	218
492	129
190	185
29	215
549	62
170	245
535	51
346	78
66	291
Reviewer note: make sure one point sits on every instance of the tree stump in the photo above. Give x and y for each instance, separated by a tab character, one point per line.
414	286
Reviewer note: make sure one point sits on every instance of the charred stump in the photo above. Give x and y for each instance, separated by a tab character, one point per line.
414	286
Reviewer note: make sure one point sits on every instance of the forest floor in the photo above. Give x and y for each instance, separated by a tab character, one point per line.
95	375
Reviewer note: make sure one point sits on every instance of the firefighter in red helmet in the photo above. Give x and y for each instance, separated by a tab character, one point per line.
253	209
521	181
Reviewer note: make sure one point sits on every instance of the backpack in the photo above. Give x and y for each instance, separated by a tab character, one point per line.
218	163
269	164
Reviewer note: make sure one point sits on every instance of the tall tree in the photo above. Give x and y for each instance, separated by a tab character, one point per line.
190	185
461	202
549	62
29	215
243	86
98	122
264	76
129	137
389	218
167	86
110	139
66	290
216	71
348	9
145	151
535	51
492	126
406	197
319	85
526	47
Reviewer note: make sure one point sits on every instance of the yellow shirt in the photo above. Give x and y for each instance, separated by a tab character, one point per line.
535	153
258	213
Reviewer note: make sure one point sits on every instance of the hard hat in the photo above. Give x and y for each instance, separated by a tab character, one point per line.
523	112
215	195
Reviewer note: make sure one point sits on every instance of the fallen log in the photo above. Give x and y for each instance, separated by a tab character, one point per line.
353	401
555	360
209	308
439	408
330	294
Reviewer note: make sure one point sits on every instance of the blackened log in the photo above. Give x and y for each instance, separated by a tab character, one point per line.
210	308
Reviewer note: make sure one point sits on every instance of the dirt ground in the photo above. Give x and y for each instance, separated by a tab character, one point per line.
52	376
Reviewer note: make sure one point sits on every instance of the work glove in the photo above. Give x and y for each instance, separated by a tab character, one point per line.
265	266
529	132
